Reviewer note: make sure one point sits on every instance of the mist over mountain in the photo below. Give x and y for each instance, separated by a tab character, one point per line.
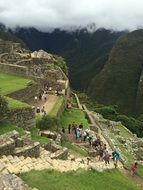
85	53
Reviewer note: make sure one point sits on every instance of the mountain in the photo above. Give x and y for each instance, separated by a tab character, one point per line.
85	53
6	34
121	80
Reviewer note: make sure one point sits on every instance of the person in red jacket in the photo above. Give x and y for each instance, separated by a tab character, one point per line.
134	168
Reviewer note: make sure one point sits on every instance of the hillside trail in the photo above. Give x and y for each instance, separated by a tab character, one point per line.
136	179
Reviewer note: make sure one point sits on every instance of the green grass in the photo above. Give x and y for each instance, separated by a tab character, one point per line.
11	83
37	138
74	149
124	132
127	155
81	179
73	115
15	104
56	106
7	127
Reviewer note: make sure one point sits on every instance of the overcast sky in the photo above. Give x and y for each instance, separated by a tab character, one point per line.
114	14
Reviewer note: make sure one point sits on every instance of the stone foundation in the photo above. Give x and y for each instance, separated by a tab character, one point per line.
12	144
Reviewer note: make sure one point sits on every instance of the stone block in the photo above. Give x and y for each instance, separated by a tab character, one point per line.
52	147
49	134
60	154
19	142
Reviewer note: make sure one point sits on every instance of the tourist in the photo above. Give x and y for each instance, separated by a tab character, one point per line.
101	154
38	110
35	98
90	139
69	128
63	129
133	168
40	96
115	157
80	126
88	160
107	158
43	110
84	135
77	133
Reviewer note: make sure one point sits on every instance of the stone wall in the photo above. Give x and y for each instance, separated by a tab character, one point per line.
23	117
9	145
14	69
25	94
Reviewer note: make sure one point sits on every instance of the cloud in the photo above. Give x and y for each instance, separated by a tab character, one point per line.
44	14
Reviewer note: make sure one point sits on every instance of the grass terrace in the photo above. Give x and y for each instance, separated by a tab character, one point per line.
11	83
7	127
73	115
81	179
15	104
56	106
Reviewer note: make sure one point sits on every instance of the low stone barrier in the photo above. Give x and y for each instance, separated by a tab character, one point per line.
23	117
28	151
60	154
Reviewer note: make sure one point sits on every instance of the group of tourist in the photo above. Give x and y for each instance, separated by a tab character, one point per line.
103	154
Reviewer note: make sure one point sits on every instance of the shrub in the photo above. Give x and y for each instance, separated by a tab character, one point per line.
47	122
108	112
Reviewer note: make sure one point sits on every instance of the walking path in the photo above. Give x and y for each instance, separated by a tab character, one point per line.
48	104
14	164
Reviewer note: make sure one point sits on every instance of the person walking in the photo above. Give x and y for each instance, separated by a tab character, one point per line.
116	157
133	168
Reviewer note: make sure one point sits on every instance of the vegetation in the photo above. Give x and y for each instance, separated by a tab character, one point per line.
73	115
36	137
74	149
3	108
47	122
85	53
11	83
56	106
81	179
7	127
15	104
120	81
134	125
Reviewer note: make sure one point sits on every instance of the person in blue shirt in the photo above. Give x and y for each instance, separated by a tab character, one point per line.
116	157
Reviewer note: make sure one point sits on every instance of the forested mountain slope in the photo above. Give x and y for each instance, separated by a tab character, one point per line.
121	80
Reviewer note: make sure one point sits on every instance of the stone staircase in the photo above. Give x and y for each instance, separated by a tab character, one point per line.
16	165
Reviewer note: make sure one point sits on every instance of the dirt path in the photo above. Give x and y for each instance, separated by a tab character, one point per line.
48	104
136	179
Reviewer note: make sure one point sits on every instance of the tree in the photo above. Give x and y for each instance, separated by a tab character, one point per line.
3	108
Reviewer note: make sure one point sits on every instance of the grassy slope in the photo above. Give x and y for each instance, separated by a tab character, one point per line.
73	115
74	149
15	104
37	138
118	82
56	106
81	179
10	83
7	127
